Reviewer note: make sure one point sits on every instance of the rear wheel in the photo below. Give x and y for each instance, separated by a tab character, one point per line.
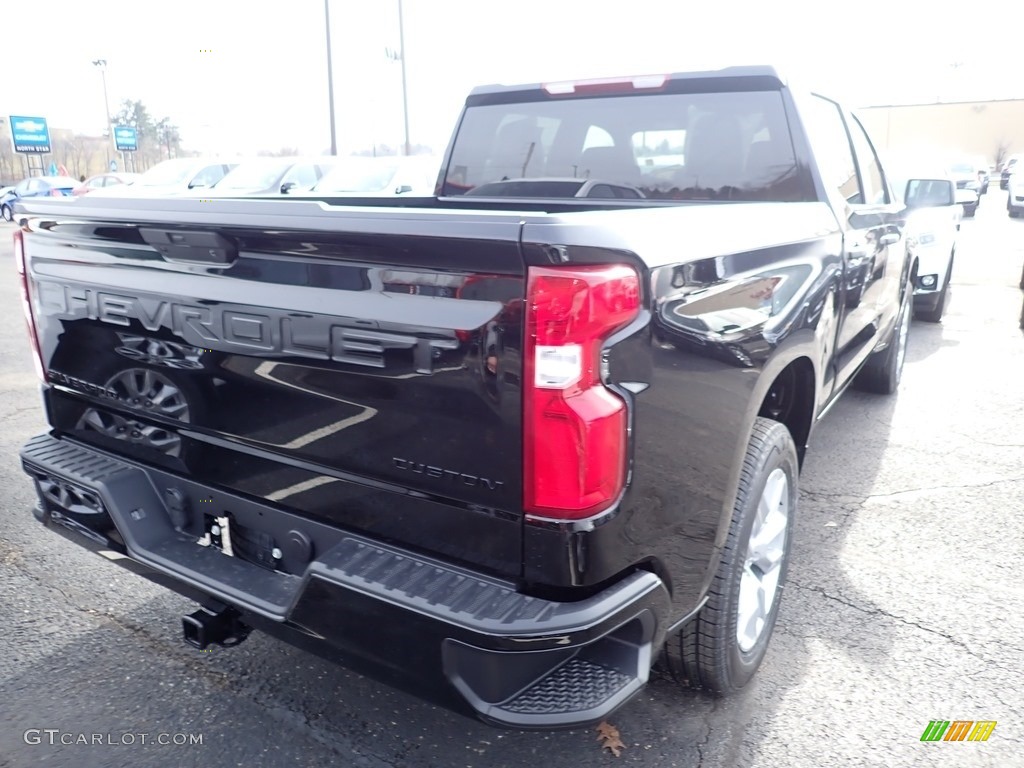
722	648
6	212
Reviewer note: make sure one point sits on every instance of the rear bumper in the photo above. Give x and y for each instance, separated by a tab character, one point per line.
457	637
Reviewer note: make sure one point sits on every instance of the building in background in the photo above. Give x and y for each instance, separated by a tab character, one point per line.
993	130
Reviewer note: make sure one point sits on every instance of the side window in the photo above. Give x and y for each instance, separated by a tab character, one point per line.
302	175
870	171
208	176
835	155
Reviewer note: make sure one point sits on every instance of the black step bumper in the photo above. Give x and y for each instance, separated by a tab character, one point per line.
510	658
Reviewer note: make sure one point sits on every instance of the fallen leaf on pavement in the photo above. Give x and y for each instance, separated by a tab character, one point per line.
608	735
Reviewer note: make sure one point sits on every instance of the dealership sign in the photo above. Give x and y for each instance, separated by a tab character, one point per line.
125	138
30	135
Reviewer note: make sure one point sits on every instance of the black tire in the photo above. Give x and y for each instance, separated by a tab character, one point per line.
934	314
706	653
7	213
1022	278
882	372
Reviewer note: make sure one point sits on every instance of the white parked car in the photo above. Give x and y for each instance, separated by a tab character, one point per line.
172	177
413	175
969	181
934	213
1015	198
270	176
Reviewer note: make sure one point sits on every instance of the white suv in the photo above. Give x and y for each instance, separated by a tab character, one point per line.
932	230
1015	198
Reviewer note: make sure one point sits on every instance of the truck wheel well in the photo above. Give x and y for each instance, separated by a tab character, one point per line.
790	400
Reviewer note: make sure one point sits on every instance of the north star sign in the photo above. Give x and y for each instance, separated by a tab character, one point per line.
125	138
30	135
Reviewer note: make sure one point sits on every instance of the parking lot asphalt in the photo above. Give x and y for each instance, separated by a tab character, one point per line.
904	603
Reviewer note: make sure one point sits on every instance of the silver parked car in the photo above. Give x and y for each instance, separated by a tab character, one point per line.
173	177
272	176
414	175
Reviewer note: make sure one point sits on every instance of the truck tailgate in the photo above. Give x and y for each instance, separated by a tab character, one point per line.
361	367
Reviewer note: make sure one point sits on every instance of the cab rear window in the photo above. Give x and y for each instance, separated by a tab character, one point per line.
654	146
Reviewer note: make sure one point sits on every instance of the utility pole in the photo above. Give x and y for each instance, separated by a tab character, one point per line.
102	64
330	78
405	102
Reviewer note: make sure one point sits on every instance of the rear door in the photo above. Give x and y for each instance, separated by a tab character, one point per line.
869	214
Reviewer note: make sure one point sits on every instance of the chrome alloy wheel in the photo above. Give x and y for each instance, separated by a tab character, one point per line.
762	567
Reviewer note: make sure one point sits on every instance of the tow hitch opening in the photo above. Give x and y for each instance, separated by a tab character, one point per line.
214	624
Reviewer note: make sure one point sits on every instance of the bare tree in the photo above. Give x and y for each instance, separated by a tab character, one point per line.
282	152
61	150
82	151
7	160
1002	151
169	137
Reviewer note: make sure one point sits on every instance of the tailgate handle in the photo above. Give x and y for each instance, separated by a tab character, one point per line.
191	246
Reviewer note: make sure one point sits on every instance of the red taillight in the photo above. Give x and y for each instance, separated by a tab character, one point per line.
26	302
575	428
606	85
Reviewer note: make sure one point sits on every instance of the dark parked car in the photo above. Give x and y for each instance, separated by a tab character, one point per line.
37	186
1007	169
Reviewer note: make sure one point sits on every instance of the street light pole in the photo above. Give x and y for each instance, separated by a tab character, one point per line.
330	78
102	64
405	102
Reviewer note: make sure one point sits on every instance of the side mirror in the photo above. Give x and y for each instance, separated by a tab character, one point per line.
287	187
403	189
198	185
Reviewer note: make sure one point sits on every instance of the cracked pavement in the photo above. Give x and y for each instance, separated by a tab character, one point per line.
904	603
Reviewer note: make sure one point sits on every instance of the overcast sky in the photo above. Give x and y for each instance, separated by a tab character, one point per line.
240	76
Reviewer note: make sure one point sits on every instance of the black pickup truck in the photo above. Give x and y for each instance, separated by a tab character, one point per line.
508	446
